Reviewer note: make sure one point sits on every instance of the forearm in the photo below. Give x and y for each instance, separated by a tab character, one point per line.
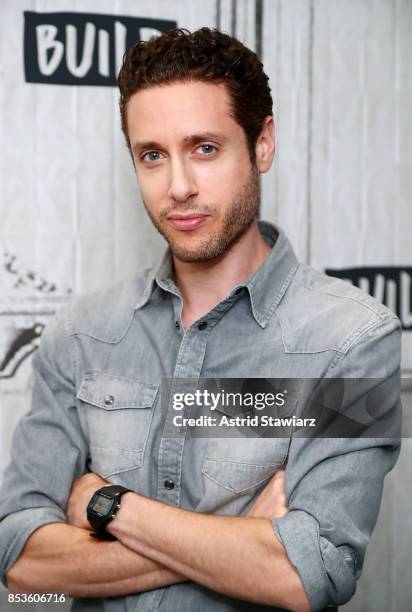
238	556
62	558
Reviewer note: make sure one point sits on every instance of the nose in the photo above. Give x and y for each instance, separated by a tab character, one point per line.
182	181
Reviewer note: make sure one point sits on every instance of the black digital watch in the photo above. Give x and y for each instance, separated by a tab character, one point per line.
102	508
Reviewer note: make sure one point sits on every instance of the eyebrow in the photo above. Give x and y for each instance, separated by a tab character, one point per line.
187	141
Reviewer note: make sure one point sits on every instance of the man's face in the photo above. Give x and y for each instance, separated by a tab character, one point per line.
193	167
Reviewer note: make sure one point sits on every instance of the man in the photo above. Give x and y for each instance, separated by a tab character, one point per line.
198	526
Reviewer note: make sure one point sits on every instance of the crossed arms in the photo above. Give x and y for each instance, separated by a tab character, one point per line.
333	487
159	545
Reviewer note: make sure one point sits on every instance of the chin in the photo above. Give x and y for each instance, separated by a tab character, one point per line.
188	256
191	255
191	249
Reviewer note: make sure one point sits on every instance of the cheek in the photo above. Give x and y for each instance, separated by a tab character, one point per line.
152	188
219	181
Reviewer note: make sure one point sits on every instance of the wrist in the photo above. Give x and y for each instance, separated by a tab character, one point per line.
128	507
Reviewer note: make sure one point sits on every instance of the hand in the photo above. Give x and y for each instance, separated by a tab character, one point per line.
271	502
80	495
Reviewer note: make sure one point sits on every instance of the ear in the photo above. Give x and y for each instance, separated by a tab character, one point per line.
265	145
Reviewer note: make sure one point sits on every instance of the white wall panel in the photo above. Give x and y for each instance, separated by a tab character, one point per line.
353	134
286	46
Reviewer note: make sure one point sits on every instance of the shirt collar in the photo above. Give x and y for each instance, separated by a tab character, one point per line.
266	286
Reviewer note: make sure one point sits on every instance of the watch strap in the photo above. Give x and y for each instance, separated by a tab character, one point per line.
99	522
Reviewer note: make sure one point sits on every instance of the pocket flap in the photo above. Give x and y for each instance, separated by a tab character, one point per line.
114	392
238	477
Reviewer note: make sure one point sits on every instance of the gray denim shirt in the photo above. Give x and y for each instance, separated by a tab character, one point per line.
96	406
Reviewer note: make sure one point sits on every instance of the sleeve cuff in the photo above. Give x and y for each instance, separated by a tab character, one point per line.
325	575
16	528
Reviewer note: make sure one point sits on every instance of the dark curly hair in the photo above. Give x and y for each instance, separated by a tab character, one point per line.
204	55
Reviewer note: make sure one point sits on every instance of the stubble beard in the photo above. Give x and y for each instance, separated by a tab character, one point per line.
236	220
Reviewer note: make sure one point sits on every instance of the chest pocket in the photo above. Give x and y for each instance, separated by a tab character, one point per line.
242	463
119	412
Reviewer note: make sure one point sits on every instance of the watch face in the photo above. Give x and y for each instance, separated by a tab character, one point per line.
102	504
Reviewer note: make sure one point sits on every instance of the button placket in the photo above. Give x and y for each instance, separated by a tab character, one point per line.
170	459
177	308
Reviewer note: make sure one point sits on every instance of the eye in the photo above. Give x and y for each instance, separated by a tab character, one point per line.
151	156
207	149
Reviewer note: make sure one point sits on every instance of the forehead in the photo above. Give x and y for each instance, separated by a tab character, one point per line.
183	107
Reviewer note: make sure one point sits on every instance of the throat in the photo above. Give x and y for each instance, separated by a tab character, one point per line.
189	316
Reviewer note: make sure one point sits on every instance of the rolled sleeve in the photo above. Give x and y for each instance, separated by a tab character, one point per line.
334	485
315	559
17	527
49	449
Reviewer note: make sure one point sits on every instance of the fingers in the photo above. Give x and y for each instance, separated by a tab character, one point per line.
271	501
278	491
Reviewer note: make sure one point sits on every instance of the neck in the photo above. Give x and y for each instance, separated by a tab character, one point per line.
204	284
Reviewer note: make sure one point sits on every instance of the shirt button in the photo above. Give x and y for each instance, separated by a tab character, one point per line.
177	324
202	325
169	484
109	400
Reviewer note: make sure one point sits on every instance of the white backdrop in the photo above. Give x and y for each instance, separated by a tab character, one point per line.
71	220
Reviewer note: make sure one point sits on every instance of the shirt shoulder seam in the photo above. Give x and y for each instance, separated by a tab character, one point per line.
358	334
343	297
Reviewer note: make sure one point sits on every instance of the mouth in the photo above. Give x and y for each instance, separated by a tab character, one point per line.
187	222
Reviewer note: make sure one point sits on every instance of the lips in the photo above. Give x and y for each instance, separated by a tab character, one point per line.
187	222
